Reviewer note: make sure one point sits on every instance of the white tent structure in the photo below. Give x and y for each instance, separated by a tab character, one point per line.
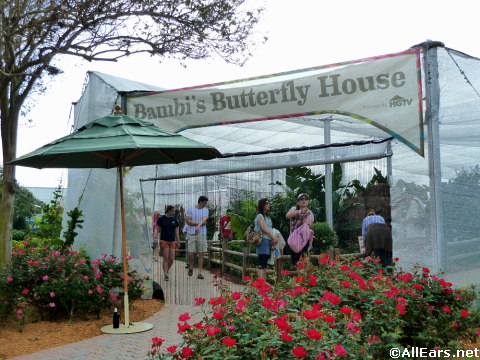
428	146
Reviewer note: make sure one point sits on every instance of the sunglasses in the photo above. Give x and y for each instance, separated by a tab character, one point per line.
303	198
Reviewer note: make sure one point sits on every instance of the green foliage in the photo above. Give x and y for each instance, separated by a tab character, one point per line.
63	283
51	223
25	205
377	178
344	309
19	234
242	215
75	222
325	237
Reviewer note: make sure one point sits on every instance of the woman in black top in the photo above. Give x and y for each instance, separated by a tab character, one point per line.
168	227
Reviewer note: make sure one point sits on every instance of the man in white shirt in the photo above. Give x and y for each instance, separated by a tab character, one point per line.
196	219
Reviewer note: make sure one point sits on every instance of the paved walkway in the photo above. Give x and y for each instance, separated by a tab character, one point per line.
179	292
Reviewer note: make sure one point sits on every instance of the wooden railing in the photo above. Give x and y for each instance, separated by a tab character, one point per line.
220	247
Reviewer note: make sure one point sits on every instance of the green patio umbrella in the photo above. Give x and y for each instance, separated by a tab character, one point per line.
115	141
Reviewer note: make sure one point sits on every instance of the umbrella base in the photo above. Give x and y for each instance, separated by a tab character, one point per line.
133	328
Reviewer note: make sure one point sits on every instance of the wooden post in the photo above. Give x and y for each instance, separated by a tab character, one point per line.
224	256
246	251
209	254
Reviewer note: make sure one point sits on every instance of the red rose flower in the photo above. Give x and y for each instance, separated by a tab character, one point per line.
184	317
314	334
229	341
186	352
299	352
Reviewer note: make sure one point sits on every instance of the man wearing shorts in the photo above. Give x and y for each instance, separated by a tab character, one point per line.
196	219
168	227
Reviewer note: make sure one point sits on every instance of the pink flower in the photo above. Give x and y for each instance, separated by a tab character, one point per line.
99	289
340	351
25	291
90	292
236	295
464	313
52	305
184	317
45	278
9	278
228	341
19	312
299	352
52	294
447	309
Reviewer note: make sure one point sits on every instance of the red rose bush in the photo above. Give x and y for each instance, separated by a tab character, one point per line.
340	309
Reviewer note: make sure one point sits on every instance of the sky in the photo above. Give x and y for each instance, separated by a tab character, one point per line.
302	34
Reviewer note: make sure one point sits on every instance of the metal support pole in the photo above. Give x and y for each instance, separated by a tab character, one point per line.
389	164
328	176
432	96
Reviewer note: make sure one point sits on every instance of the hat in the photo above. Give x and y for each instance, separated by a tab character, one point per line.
303	194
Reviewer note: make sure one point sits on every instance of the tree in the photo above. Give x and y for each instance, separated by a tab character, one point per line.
33	34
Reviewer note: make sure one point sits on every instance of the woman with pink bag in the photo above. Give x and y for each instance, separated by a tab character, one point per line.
301	236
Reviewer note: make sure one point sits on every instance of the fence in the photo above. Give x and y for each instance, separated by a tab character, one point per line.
245	255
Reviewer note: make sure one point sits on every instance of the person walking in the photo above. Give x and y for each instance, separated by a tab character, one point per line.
168	227
264	223
196	219
300	215
226	231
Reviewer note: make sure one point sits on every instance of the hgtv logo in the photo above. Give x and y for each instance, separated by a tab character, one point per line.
399	101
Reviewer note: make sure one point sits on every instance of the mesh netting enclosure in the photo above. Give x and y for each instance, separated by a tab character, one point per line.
434	198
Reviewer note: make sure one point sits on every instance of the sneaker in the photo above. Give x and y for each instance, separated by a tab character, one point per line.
190	272
167	278
200	276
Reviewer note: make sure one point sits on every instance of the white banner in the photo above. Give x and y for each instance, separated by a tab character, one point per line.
384	91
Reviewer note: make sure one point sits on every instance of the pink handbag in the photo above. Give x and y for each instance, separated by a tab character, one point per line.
299	238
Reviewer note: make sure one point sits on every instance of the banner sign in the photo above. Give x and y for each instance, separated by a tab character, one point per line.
384	91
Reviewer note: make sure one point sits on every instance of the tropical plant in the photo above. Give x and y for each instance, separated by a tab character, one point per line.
74	222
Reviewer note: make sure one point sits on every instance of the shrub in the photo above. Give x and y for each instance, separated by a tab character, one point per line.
346	309
325	237
63	282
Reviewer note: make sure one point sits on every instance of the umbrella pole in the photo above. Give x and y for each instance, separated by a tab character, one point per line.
124	251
